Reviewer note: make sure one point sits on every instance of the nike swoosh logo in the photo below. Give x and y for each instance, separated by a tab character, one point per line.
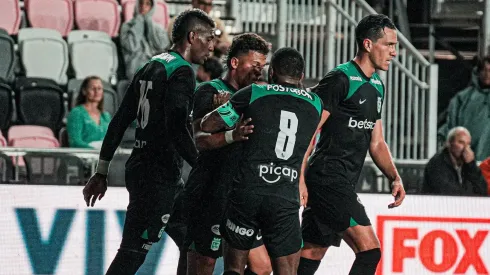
362	101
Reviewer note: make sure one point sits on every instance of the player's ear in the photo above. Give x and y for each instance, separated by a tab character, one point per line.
302	77
368	44
234	62
191	36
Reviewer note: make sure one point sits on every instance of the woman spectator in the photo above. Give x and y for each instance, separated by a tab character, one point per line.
87	122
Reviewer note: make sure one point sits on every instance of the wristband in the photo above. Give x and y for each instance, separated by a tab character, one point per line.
229	137
103	167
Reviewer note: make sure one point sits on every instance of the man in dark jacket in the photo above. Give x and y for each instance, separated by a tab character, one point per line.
453	171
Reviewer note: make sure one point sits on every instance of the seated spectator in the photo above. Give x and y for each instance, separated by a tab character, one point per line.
87	122
485	170
211	69
223	41
141	38
470	108
453	171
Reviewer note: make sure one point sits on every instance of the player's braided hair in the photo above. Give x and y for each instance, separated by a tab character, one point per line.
288	62
372	27
192	20
244	43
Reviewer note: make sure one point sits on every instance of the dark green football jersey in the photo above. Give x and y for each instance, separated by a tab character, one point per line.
354	102
285	119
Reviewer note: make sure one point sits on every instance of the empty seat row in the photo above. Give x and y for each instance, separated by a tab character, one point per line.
45	54
60	15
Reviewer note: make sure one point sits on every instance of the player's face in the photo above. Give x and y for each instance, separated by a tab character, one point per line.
202	45
94	91
485	74
248	68
384	50
460	142
145	6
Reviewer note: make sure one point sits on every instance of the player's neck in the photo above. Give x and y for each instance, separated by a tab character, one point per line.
287	81
183	50
363	61
231	80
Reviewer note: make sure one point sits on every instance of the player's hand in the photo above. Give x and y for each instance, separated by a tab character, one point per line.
95	188
468	155
398	191
220	99
303	192
242	129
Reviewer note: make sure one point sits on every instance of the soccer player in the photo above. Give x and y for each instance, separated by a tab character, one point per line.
265	194
207	188
159	98
352	95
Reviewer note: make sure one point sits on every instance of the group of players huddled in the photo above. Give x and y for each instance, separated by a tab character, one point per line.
255	155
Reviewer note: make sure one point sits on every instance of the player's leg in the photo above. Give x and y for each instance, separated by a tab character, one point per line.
239	228
360	236
281	232
259	262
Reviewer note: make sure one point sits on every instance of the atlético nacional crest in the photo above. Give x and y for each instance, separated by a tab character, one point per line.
379	104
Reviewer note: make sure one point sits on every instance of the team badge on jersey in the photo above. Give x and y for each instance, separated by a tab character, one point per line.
379	104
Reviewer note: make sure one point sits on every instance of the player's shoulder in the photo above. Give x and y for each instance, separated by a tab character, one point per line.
172	62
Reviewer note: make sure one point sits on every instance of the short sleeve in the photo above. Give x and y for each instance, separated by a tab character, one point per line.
231	111
203	101
332	89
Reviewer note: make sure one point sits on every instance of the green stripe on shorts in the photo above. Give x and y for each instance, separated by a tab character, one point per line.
353	222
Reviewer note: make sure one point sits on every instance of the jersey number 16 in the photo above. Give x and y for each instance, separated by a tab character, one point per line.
286	138
144	104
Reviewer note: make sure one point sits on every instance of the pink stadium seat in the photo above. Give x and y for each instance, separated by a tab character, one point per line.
160	16
50	14
3	142
98	15
10	16
28	131
36	142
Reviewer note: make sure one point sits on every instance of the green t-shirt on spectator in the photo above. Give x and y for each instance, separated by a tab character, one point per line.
82	129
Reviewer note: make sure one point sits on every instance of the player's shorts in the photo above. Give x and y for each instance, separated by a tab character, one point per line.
206	211
329	213
149	211
276	217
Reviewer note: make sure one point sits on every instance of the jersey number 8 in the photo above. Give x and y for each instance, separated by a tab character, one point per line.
287	135
144	104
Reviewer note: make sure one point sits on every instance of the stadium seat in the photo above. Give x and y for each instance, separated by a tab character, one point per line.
98	15
6	106
54	169
50	14
7	58
24	131
39	102
111	100
10	16
121	88
92	53
3	141
160	16
63	137
6	169
44	54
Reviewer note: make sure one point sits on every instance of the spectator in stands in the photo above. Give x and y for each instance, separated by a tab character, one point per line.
87	122
485	170
211	69
141	38
470	108
223	41
453	171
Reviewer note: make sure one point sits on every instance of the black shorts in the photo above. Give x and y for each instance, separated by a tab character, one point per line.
329	213
149	212
249	210
206	209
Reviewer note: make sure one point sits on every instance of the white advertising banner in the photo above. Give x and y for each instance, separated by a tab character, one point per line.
49	230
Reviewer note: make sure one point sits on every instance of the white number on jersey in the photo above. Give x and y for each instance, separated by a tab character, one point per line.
287	135
144	104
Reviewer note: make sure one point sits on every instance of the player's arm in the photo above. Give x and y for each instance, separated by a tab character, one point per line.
302	185
380	153
177	109
227	115
125	115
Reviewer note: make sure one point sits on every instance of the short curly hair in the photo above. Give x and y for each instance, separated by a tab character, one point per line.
288	62
192	20
244	43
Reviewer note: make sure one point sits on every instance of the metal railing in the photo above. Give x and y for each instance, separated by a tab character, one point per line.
324	32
